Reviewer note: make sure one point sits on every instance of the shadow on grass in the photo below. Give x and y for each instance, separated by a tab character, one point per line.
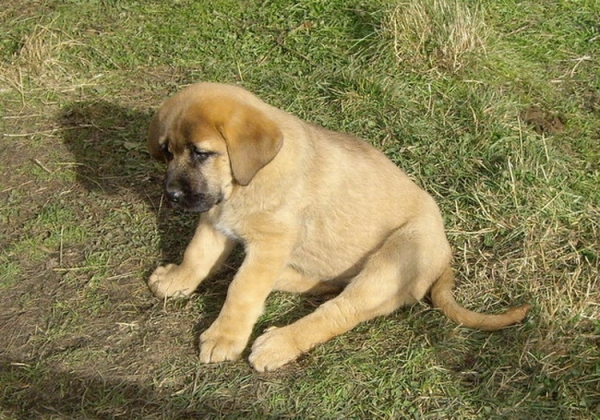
31	392
108	142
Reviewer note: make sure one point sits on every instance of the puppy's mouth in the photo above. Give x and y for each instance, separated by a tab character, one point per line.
190	196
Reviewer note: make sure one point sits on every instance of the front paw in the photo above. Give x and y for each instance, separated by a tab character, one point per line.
169	281
273	349
217	346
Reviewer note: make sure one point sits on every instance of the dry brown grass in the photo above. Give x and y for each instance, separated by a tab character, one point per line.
440	34
40	62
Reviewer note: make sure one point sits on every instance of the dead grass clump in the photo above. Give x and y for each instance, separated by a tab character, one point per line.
40	60
439	34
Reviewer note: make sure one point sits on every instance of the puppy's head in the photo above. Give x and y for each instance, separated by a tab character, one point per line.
211	137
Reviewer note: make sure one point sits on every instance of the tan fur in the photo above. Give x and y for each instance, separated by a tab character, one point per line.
316	211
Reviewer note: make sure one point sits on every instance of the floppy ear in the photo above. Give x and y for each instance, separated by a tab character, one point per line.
155	134
252	140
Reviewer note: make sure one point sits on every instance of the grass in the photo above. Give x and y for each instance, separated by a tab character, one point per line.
493	107
439	34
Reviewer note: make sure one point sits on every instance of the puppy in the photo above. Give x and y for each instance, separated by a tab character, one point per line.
317	211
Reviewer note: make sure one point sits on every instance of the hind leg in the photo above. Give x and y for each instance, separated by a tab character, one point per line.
398	274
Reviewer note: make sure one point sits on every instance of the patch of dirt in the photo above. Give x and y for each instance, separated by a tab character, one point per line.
542	121
23	9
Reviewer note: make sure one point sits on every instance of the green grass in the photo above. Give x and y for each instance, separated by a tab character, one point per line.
493	107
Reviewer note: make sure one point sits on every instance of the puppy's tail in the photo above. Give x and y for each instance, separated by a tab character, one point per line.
441	295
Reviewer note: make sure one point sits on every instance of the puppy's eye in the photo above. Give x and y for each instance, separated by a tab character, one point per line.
201	155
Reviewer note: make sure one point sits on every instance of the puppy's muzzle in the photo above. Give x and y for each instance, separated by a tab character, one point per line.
194	202
180	198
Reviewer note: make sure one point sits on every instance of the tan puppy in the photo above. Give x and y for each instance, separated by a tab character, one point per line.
316	210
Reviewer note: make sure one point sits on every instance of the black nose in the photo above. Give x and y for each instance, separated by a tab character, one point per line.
174	196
